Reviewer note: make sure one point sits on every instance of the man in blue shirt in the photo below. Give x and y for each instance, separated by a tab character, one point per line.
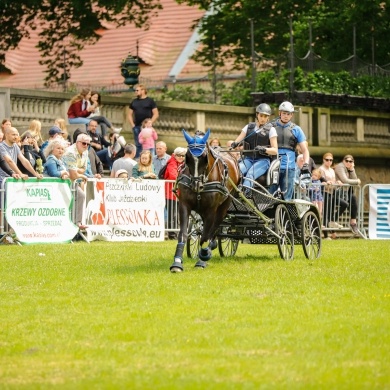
289	136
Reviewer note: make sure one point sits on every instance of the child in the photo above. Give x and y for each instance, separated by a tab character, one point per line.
147	136
315	190
121	174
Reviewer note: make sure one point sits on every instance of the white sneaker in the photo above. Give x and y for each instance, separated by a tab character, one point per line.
117	130
334	225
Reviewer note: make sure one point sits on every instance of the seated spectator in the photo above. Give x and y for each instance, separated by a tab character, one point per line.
126	162
144	169
55	166
76	161
30	150
122	174
35	128
54	133
80	108
60	123
10	153
95	166
95	100
5	124
147	136
98	142
176	160
346	174
112	153
161	157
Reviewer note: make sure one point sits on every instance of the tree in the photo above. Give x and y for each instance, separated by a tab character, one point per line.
66	26
225	29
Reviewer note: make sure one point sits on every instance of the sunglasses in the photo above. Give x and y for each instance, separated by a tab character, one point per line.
84	143
180	155
349	161
328	159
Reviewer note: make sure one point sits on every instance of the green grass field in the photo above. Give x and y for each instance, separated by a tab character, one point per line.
112	316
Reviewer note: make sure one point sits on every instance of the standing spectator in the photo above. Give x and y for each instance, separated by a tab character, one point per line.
173	165
76	162
161	157
55	166
144	168
260	144
35	128
215	143
126	162
345	173
80	108
10	152
147	136
315	190
54	133
60	122
289	136
141	108
95	100
30	150
334	205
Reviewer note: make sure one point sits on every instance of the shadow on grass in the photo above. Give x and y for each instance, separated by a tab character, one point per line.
153	266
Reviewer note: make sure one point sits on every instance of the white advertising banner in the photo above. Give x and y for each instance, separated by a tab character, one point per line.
125	210
379	217
39	210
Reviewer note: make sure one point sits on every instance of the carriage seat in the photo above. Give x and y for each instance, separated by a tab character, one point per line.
272	175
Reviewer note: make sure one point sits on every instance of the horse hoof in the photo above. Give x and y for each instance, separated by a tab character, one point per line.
205	254
213	244
200	264
176	267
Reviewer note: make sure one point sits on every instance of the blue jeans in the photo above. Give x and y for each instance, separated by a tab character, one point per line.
82	121
105	158
136	131
252	169
286	183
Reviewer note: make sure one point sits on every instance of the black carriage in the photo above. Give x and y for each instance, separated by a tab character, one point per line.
263	218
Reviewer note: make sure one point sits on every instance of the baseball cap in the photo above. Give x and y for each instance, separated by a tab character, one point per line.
54	130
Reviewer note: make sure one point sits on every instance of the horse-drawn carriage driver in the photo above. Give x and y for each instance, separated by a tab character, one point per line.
260	139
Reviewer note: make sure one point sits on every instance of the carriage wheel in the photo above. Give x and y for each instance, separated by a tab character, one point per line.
195	229
284	229
311	236
227	246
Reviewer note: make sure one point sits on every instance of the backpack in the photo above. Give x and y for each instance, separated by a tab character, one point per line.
161	174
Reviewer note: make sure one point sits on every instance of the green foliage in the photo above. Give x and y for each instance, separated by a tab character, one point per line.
226	30
239	93
66	27
111	316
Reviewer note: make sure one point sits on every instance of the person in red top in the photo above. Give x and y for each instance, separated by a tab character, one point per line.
171	172
80	108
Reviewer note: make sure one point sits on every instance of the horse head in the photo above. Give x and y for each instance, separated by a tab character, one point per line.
197	159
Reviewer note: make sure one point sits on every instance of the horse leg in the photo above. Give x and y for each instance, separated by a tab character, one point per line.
177	265
205	250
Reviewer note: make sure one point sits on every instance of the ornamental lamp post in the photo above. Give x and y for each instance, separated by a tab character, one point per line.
130	70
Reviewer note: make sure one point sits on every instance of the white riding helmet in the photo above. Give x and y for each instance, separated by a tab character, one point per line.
287	107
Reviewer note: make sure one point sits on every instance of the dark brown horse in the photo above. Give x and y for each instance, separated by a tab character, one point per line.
203	186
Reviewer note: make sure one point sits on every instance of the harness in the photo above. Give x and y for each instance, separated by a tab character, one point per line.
201	184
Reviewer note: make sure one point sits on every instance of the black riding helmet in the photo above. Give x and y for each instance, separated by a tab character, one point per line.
263	108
